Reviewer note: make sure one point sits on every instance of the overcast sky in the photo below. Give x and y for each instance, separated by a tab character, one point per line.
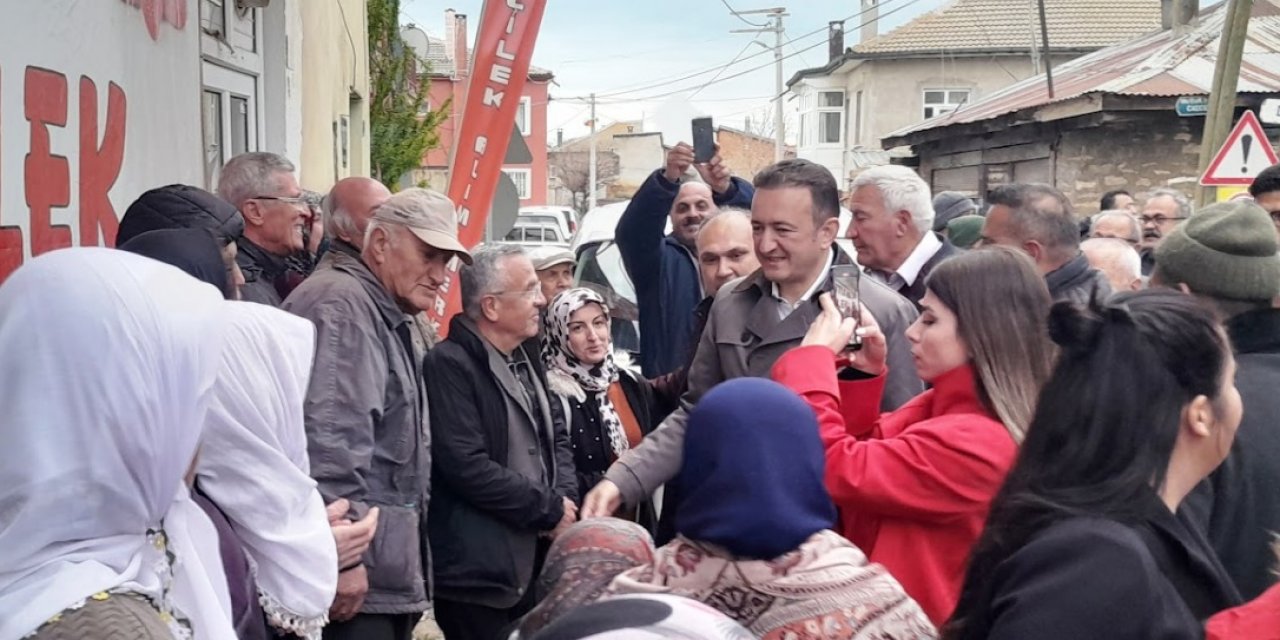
609	46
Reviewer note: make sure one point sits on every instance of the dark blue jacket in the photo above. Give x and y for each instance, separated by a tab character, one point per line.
663	272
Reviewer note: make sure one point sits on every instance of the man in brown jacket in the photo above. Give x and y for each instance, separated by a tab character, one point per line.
794	219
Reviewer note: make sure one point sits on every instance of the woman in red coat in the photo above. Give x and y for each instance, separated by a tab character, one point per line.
914	486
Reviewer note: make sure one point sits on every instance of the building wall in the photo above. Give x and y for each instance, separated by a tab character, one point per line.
335	91
638	155
99	102
744	154
1083	157
444	89
1163	150
604	137
536	139
893	97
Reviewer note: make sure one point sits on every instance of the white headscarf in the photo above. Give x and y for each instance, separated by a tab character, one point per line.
108	361
253	465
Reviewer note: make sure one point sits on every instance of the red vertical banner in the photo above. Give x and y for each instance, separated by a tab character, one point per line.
503	51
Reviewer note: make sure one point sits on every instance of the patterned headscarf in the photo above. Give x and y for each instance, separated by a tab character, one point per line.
594	379
580	565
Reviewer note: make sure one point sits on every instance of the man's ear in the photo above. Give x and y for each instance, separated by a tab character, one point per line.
829	230
904	222
252	212
377	246
489	308
1034	249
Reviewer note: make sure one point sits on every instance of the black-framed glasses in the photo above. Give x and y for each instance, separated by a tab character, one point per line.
1160	218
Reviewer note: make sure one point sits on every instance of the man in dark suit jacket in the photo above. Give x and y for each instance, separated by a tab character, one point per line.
892	229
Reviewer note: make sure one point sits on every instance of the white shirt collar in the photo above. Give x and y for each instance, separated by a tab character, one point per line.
924	251
785	308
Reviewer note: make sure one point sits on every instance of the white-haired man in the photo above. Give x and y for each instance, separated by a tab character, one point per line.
892	229
1118	261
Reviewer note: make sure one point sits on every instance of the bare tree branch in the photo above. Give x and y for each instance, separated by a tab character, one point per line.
573	168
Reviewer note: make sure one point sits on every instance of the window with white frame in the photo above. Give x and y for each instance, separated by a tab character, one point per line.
524	114
942	101
830	115
522	178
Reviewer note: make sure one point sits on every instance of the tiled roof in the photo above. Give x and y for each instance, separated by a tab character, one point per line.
987	25
1162	64
434	51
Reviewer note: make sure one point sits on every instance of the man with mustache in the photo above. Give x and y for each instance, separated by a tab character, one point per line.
264	188
1163	210
664	269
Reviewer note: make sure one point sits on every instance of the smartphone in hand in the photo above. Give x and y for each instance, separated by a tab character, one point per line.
704	141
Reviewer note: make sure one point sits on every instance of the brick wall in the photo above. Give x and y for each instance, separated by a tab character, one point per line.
746	155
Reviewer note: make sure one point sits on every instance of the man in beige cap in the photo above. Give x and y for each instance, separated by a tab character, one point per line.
366	410
554	266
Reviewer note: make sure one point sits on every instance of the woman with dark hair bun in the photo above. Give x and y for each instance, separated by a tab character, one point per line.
1084	539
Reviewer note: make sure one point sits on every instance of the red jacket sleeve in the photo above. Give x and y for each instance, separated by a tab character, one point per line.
940	467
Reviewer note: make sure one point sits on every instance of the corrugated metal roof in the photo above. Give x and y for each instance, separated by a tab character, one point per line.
1162	64
986	25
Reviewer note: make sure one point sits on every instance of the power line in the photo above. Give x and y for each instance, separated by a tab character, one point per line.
716	68
735	14
769	64
722	70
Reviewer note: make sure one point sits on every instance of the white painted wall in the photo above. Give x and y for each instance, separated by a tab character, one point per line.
156	68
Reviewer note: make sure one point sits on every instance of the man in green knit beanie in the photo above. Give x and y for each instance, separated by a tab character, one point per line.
1225	254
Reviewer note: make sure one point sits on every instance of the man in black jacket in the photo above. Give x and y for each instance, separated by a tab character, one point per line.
503	476
264	187
1038	219
1226	255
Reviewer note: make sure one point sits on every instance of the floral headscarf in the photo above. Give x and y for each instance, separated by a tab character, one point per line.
594	379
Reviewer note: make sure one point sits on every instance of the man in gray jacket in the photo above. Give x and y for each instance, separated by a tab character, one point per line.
366	410
754	320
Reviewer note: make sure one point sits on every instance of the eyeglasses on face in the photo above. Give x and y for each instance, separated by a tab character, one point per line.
300	201
527	293
1159	218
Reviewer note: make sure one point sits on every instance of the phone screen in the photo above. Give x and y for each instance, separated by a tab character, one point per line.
704	142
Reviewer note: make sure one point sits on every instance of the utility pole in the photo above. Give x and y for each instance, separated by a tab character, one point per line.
1044	38
1035	43
591	159
776	14
1222	94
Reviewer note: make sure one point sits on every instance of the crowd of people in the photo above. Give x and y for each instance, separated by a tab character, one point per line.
240	423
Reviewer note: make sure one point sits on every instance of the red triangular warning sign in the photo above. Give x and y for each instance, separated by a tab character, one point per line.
1243	156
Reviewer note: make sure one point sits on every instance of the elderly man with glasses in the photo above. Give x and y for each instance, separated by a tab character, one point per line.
264	188
505	482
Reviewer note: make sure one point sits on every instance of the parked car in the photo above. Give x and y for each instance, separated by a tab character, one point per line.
536	233
600	268
565	217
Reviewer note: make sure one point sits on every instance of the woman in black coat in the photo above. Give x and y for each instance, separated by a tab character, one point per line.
608	408
1084	539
